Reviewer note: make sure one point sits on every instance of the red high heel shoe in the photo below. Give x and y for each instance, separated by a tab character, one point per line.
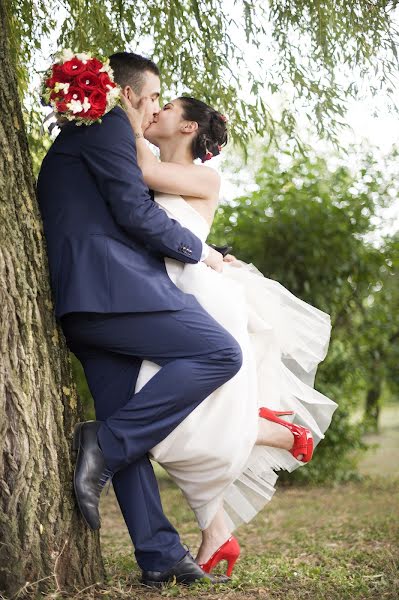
229	551
303	440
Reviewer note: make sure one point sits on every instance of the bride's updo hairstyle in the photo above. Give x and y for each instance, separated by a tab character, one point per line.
212	130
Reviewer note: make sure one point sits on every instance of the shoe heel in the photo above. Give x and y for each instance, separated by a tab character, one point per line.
230	565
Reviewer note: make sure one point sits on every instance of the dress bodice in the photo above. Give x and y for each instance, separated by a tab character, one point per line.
180	210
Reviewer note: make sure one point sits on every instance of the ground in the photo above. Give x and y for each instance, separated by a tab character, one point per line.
330	542
337	542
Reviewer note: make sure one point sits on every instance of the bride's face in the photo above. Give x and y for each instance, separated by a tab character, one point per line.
167	124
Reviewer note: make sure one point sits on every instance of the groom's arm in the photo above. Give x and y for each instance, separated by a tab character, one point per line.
109	152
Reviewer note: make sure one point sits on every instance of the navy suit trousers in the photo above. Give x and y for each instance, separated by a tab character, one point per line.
197	355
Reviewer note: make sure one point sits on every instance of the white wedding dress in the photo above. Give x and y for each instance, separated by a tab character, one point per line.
212	454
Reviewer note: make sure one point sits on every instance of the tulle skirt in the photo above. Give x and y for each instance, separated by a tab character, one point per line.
212	454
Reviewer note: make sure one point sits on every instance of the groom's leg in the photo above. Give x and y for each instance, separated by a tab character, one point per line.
111	379
197	356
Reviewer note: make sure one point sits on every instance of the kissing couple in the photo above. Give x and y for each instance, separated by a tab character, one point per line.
193	358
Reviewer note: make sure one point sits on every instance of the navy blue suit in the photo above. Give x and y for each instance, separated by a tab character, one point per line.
102	227
106	242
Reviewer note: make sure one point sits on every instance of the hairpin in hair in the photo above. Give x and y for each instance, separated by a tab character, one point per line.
224	118
207	156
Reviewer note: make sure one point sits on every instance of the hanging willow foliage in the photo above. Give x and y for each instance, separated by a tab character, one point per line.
212	48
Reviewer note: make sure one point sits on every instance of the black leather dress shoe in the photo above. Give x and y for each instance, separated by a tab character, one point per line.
185	571
91	473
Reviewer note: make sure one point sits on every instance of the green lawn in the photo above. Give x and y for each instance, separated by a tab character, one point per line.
329	543
384	457
332	543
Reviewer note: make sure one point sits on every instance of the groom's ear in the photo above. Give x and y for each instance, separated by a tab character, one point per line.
130	95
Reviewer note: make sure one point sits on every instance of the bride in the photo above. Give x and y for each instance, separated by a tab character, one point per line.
224	455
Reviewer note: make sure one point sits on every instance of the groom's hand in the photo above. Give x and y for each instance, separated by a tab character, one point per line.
139	115
214	260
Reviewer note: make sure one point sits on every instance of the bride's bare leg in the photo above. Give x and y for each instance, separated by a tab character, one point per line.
213	537
269	434
274	435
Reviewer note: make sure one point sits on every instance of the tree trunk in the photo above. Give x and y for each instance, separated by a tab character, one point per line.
44	544
372	408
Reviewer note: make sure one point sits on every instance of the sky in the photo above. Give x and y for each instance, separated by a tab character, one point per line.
369	119
380	131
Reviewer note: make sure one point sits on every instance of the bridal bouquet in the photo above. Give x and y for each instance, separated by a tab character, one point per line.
80	87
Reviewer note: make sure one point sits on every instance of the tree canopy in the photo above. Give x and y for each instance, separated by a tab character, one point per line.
309	225
235	56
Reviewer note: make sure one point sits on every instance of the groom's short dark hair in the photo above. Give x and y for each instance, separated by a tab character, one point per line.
130	68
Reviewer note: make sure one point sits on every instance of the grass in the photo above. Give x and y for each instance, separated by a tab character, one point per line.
315	543
329	543
384	457
324	542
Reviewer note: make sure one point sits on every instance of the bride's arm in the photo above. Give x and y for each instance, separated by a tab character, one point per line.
171	178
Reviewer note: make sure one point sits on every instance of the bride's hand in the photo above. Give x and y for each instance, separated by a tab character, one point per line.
214	260
229	258
136	115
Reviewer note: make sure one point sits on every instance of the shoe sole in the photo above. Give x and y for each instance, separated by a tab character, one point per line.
160	584
76	448
154	584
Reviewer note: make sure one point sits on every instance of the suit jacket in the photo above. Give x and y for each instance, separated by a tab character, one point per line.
106	237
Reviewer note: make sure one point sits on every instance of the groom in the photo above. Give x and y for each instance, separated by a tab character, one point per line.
106	242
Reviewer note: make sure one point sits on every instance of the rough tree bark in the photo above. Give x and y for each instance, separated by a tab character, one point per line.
42	537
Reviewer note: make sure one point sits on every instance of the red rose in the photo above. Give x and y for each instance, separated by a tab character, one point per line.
73	67
62	106
98	101
54	95
60	75
75	93
94	65
95	114
104	81
88	81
